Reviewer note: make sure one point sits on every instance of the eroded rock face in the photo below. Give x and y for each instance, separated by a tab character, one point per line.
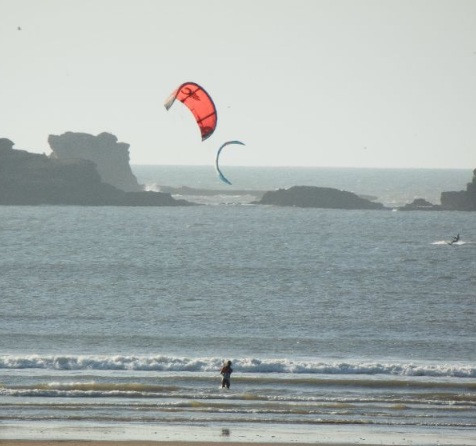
317	197
110	157
464	200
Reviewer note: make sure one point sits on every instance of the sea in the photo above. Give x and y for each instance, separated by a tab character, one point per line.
353	326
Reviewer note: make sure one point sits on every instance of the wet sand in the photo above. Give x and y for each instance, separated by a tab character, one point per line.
136	443
52	434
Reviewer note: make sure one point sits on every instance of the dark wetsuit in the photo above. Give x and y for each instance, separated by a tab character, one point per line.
226	372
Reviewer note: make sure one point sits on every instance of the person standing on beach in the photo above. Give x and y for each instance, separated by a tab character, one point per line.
226	372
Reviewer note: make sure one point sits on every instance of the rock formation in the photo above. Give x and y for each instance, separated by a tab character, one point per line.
6	144
111	157
317	197
464	200
33	179
420	204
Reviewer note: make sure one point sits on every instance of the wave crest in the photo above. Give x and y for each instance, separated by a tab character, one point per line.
244	365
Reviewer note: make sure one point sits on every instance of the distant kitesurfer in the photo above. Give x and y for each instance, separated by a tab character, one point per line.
455	239
226	372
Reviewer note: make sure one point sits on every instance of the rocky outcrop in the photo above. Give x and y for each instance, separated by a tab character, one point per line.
317	197
33	179
110	157
464	200
6	144
420	204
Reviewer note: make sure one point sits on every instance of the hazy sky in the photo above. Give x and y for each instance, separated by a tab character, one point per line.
364	83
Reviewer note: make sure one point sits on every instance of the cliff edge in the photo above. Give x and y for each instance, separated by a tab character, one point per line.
110	157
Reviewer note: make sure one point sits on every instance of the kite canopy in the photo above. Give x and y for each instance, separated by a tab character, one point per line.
220	174
200	104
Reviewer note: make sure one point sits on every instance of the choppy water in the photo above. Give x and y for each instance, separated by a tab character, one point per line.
344	318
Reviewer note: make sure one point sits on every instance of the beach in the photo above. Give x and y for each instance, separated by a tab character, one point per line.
206	443
129	443
97	434
122	443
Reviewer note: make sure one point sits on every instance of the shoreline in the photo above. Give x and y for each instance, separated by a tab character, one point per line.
134	443
170	434
137	443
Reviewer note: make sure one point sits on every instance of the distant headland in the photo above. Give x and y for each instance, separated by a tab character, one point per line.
75	174
90	170
464	200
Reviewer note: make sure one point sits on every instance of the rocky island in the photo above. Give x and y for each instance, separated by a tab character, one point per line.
420	204
317	197
33	179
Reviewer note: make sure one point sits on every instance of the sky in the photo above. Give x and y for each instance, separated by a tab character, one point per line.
326	83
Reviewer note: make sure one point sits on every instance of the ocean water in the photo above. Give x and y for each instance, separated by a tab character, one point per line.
361	322
392	187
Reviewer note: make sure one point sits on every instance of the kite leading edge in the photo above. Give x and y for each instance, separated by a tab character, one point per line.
217	166
200	103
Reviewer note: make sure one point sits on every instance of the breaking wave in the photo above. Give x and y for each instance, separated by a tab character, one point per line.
244	365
